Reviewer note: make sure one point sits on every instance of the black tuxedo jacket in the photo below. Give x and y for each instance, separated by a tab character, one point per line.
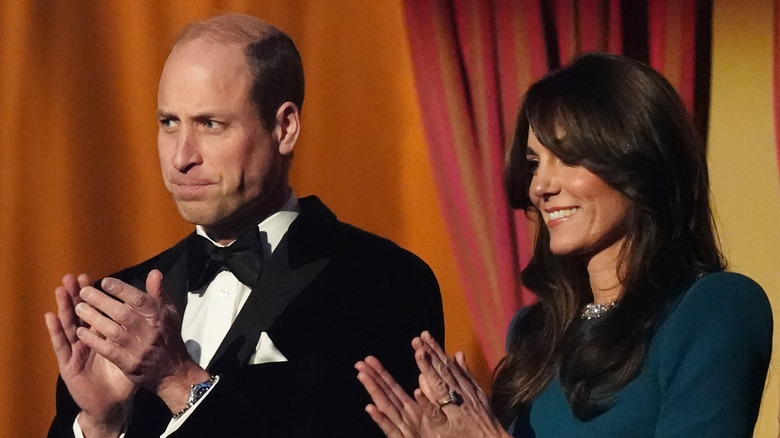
329	295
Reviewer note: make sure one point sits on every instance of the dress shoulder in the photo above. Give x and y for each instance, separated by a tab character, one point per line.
727	297
716	340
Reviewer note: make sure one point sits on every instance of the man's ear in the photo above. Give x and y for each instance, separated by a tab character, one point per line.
288	127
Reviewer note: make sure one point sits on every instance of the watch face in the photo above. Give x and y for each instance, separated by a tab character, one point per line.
201	389
198	390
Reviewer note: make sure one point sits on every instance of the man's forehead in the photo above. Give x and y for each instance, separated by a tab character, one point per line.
203	72
205	59
200	48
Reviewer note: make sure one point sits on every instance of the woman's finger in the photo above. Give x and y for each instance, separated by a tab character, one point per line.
380	393
442	387
449	367
388	427
431	412
393	410
434	346
468	382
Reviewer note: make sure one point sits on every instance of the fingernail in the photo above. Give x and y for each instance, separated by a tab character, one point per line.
81	307
107	284
85	293
426	335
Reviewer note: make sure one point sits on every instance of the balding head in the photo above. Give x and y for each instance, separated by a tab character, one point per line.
271	55
230	28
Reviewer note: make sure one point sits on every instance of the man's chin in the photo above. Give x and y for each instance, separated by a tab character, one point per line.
197	214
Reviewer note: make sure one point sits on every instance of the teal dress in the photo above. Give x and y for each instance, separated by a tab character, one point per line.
703	375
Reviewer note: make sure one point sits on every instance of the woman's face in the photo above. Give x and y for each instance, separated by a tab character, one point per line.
585	216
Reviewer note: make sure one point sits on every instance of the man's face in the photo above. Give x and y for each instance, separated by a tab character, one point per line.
219	163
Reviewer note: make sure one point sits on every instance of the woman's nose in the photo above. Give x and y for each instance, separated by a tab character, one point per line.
544	182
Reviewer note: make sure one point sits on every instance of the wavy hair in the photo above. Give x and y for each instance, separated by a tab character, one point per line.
624	122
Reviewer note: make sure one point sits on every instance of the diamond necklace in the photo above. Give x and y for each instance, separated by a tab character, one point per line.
597	310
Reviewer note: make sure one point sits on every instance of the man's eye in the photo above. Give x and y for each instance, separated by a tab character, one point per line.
212	124
166	123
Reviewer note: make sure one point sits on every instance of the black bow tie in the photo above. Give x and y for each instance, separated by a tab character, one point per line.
243	258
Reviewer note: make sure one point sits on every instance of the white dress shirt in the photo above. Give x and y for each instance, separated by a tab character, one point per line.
210	311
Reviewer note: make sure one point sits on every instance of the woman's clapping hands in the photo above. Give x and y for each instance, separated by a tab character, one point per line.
449	403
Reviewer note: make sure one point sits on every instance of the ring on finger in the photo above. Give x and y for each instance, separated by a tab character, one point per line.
451	398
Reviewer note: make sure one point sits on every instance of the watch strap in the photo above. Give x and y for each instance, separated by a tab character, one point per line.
197	391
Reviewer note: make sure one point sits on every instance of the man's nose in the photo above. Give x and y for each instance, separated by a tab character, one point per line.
187	151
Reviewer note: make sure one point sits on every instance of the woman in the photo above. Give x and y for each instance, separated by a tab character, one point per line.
637	331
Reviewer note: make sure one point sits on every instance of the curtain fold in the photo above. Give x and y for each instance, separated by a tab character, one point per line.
472	62
461	59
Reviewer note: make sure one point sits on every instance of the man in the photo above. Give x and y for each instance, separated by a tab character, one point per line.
217	346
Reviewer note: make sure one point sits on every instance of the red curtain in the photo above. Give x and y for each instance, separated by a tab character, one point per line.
472	61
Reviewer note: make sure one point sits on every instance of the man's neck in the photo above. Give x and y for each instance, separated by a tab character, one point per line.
226	232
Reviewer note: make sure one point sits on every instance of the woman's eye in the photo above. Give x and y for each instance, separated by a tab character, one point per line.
532	164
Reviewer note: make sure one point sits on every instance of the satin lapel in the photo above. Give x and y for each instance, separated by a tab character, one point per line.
174	282
173	264
279	284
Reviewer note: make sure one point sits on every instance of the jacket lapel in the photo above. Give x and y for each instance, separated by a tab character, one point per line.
173	264
174	282
296	262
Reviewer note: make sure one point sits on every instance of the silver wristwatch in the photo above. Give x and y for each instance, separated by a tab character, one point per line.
197	391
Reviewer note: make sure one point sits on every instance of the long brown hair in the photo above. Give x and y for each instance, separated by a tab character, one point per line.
625	123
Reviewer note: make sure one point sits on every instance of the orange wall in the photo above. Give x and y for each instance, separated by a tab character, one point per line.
742	158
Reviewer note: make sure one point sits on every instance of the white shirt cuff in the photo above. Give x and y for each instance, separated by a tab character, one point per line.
78	433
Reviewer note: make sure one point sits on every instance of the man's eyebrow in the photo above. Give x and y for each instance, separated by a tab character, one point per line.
209	115
162	114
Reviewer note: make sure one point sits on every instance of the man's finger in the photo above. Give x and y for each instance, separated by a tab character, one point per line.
105	327
83	281
130	295
108	349
118	311
154	284
66	313
59	342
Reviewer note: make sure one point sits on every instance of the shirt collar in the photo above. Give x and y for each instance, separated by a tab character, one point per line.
274	227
